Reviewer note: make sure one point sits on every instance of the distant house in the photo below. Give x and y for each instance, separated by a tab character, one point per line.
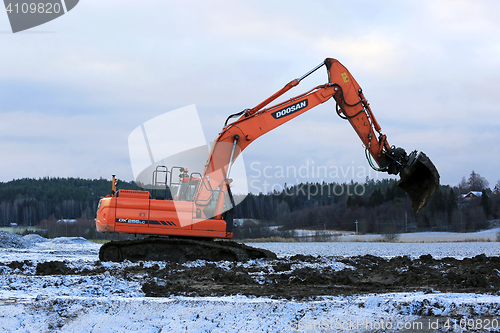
66	221
13	224
472	194
240	222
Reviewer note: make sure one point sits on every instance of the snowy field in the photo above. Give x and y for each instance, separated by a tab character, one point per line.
104	302
385	250
414	237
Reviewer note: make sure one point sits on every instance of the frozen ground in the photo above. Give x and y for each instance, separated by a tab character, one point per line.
59	285
414	237
386	250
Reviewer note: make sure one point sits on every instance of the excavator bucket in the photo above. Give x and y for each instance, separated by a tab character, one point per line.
420	179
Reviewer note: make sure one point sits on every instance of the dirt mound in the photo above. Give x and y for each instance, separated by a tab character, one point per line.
364	274
69	240
14	241
53	268
34	238
298	277
19	264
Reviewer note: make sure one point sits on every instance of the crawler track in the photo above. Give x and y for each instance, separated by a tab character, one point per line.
180	250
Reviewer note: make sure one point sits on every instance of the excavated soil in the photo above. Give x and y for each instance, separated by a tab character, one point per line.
302	277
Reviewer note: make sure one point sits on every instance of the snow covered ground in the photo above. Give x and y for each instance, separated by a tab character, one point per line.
104	302
385	250
414	237
412	312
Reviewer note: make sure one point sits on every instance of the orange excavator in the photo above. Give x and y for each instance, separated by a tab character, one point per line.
192	217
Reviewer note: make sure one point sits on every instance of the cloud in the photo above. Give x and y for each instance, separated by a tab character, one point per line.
373	54
429	69
461	18
37	145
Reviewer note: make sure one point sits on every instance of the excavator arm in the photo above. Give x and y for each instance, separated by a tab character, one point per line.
419	177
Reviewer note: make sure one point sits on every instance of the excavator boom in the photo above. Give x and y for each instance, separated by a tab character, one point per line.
420	178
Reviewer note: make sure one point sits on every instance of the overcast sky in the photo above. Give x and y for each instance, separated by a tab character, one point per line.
73	89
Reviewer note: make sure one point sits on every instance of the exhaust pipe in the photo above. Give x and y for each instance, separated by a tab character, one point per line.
419	178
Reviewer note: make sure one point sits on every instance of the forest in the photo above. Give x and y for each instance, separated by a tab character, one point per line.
27	201
375	206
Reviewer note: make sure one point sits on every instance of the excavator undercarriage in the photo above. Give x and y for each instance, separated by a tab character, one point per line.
180	250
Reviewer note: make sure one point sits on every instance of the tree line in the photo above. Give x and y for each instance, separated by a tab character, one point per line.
375	206
28	201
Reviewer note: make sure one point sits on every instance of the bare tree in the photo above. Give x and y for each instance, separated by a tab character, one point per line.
463	186
476	182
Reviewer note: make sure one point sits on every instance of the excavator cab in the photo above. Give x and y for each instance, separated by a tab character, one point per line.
186	189
165	188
